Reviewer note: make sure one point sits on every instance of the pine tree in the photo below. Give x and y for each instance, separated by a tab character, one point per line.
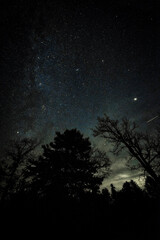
66	167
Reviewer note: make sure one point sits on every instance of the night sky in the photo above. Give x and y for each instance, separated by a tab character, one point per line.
63	63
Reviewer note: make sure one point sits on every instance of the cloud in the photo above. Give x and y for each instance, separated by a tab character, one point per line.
121	173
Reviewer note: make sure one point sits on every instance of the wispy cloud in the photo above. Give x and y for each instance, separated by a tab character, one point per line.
121	173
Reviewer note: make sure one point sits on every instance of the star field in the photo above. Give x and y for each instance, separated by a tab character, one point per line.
64	64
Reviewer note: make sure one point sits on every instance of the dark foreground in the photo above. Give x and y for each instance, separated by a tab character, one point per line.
93	216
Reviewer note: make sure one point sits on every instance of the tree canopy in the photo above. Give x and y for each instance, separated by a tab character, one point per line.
67	166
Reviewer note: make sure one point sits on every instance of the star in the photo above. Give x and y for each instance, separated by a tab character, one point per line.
43	108
135	99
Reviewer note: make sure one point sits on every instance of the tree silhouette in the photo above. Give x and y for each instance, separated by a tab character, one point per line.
151	187
61	190
106	196
113	192
140	146
17	154
131	191
67	167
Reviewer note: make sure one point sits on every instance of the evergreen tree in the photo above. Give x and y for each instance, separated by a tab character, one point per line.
66	167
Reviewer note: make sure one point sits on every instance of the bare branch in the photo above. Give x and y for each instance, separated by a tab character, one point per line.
124	136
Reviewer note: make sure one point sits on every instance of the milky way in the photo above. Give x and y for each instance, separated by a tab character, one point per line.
64	64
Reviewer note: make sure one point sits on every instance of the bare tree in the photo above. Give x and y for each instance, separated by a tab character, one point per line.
102	162
17	154
123	135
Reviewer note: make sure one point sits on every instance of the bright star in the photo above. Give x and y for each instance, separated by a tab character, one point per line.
135	99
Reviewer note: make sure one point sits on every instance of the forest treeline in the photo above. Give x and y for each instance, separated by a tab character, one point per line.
58	191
